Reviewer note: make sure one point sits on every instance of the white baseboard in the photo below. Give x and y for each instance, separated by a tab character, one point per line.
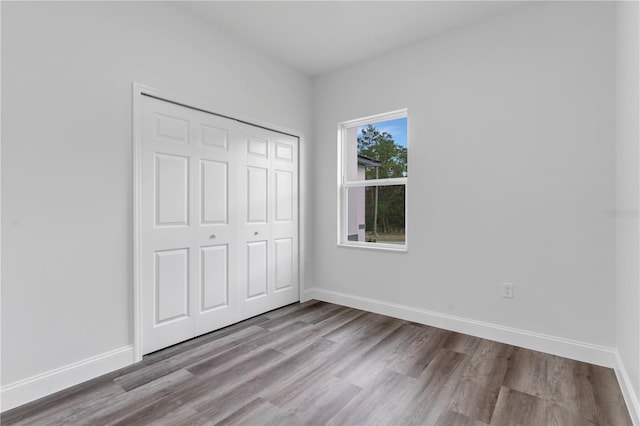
305	295
44	384
630	396
581	351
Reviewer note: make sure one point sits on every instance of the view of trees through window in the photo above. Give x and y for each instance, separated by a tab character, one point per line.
382	148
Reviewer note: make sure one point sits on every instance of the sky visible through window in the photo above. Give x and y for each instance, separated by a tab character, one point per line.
396	128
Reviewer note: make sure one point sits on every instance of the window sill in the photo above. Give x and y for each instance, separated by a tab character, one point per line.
376	246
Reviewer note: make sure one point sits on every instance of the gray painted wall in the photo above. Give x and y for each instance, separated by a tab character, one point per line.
511	169
67	70
628	194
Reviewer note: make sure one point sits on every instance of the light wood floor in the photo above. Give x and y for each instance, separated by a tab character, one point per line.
319	363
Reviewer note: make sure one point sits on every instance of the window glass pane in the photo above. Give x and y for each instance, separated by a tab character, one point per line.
376	214
377	150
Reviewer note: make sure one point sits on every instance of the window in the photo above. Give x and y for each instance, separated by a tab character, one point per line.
372	182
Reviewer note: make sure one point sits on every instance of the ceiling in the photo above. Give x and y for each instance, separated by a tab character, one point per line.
316	37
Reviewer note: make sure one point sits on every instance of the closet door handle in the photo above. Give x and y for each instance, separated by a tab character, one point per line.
255	233
213	236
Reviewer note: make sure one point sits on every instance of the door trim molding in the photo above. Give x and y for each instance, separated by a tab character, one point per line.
138	90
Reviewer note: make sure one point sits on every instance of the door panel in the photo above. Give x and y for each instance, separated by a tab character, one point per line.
171	285
257	186
284	227
213	192
284	263
171	128
284	152
284	196
216	232
257	146
213	137
270	227
172	190
256	269
166	226
214	277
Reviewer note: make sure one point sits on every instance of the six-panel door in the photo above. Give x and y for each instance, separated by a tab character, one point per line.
269	229
218	222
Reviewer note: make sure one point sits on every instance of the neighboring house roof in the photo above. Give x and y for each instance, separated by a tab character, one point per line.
368	162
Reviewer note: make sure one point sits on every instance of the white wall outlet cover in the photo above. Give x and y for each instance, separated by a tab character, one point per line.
507	290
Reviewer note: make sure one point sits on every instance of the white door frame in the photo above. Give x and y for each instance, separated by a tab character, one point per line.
137	91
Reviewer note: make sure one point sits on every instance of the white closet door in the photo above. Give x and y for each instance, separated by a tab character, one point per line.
216	227
218	222
188	220
167	219
269	230
284	226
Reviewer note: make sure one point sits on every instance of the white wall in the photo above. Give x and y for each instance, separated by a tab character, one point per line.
67	70
628	199
511	169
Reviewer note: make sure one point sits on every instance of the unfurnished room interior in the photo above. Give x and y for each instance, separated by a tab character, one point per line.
320	212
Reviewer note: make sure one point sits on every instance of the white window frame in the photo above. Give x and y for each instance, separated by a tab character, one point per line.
344	183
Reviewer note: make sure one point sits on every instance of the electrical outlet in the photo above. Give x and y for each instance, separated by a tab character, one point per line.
507	290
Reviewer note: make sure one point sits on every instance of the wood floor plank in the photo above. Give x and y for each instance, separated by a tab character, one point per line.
221	360
435	388
318	363
357	357
276	337
215	409
489	364
406	348
318	400
188	357
204	387
559	415
295	342
57	404
180	348
474	401
569	386
449	418
121	404
327	325
318	371
427	351
462	343
610	408
376	358
527	372
585	391
515	408
361	327
326	311
306	314
286	310
260	412
378	404
65	405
